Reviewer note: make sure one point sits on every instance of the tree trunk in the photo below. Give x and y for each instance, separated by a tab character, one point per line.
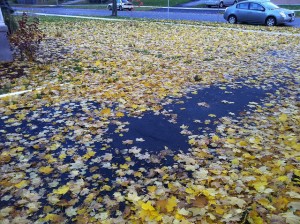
114	8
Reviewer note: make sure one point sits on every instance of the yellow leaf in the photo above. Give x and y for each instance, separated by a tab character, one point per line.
105	188
52	217
147	206
19	149
12	107
242	143
219	210
20	116
151	188
46	169
124	166
134	106
22	184
120	114
97	63
265	202
54	146
297	172
62	156
215	138
254	218
171	204
89	154
62	190
235	162
283	117
248	156
260	186
105	111
192	141
283	178
138	174
230	140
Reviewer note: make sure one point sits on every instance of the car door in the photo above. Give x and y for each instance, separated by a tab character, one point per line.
242	10
256	13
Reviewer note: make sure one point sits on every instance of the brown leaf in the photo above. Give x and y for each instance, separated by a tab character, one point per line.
162	205
126	212
200	201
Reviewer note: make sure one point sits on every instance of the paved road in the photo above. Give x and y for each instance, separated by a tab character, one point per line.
173	14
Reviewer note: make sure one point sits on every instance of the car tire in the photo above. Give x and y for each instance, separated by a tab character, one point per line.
209	6
221	5
120	8
109	8
271	21
232	19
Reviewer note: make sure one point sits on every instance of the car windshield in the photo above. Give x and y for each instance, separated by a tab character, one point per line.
270	5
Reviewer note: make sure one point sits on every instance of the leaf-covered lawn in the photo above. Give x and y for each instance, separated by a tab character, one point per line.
61	163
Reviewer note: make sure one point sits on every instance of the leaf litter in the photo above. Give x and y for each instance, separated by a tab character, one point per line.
58	161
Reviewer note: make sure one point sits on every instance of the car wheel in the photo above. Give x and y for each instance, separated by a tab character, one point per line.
221	5
270	21
232	19
208	6
129	9
121	8
109	7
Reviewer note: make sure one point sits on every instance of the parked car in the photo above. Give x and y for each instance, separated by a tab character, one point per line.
258	12
122	5
220	3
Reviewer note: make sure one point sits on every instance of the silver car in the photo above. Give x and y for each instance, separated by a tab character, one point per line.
121	5
258	12
220	3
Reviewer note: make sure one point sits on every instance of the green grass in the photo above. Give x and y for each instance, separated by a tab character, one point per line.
199	6
163	2
292	7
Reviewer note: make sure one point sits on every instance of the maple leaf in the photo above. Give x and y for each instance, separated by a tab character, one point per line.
147	206
53	217
22	184
46	169
105	112
171	204
199	201
62	190
120	114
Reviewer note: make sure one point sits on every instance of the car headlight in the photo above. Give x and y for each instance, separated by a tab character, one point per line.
283	14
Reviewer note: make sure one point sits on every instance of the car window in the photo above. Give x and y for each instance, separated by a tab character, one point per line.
243	6
257	7
270	5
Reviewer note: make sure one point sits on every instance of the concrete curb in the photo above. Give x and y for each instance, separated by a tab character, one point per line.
5	53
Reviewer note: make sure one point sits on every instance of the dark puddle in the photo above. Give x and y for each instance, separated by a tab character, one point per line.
199	111
210	104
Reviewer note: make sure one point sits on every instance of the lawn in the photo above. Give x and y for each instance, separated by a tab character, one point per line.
70	151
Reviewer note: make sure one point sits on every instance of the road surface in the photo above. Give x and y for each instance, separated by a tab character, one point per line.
205	15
